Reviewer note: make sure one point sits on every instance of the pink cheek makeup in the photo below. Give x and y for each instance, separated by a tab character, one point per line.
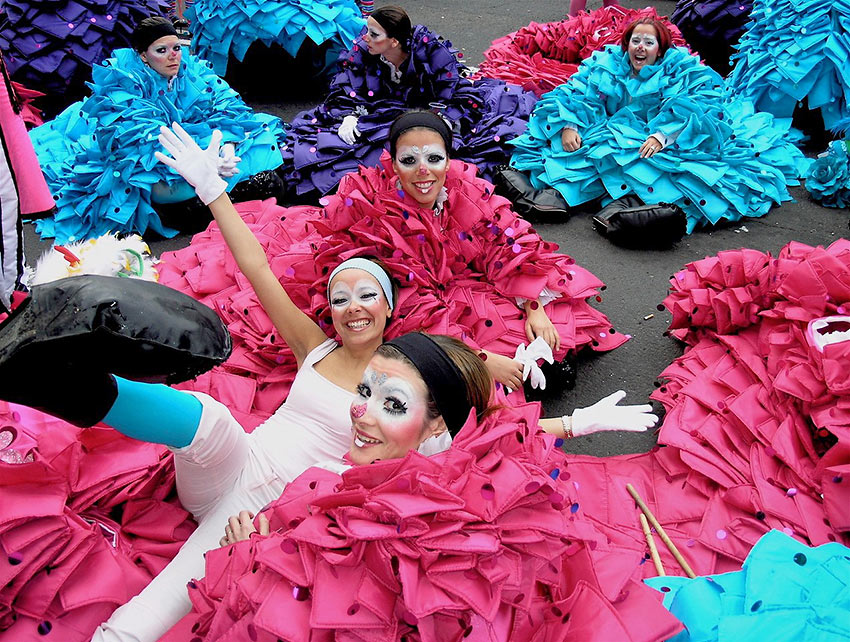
358	410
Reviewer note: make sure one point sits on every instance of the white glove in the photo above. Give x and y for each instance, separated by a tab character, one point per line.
198	166
227	160
606	415
537	349
348	131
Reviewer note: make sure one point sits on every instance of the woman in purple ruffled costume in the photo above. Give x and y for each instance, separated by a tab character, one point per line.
51	45
394	67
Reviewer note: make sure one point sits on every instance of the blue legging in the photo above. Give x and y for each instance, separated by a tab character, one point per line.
154	412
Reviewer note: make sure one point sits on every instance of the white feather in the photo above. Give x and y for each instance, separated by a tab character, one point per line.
106	255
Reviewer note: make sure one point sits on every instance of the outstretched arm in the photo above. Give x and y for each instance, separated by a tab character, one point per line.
604	416
199	168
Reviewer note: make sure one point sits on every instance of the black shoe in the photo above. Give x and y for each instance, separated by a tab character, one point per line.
259	187
631	223
59	348
560	376
544	205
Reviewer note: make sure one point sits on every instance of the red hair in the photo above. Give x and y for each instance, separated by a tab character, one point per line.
665	38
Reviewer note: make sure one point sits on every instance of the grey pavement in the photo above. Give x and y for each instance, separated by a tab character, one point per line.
637	281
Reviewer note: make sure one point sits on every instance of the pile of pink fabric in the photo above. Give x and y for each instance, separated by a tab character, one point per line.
87	518
543	55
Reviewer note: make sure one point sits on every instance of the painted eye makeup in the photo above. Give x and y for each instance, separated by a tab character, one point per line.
364	390
395	406
339	301
374	35
647	41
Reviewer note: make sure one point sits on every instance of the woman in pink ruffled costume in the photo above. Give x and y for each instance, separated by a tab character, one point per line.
542	56
483	541
469	267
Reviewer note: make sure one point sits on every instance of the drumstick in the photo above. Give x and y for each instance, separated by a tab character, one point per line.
650	541
661	533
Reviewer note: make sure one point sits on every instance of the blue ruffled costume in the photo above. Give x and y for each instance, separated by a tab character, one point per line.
485	113
727	162
796	49
224	26
98	155
786	591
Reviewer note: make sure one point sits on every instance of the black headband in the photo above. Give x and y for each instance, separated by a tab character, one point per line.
426	119
145	35
441	375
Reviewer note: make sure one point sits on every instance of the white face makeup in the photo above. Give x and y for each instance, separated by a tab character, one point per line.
643	46
421	163
359	308
828	331
389	414
376	38
164	56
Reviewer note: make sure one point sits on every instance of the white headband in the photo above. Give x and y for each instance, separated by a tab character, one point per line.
372	268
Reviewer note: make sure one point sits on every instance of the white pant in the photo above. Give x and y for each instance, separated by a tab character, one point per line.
218	474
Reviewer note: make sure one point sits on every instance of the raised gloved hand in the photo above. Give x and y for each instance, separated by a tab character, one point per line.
198	166
606	415
227	161
348	131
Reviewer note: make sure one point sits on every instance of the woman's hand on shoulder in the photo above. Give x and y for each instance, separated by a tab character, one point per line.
570	139
239	527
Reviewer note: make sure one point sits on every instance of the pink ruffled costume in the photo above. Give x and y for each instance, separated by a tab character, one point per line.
462	272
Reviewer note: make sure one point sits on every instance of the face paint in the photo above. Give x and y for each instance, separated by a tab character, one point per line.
389	415
376	38
366	292
643	47
432	157
164	56
421	163
828	331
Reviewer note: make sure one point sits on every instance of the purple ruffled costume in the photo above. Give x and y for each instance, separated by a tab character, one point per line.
51	45
713	28
485	113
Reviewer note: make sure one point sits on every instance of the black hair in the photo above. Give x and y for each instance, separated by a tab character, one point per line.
396	23
149	30
420	119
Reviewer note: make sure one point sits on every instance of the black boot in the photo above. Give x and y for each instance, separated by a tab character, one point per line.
260	186
560	376
59	348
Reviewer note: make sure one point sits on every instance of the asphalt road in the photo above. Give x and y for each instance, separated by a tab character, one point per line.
636	281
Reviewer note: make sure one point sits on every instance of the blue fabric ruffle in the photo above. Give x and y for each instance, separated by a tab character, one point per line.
224	26
485	113
98	155
828	178
785	592
728	160
795	49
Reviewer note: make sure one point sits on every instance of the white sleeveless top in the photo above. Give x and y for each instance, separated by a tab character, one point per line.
313	425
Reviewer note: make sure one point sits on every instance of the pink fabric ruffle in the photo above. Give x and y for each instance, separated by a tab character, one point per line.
486	541
459	273
87	518
29	112
542	56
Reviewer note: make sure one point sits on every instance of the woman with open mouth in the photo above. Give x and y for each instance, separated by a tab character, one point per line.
98	154
649	119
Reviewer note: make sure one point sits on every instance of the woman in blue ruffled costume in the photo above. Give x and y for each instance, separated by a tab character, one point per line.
650	119
828	178
221	27
795	50
392	68
98	155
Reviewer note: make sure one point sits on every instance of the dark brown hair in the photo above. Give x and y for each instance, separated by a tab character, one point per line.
396	23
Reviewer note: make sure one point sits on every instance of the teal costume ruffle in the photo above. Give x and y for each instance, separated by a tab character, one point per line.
728	161
786	591
795	49
98	155
224	26
828	178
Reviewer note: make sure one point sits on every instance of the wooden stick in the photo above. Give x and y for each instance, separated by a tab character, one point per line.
650	541
661	533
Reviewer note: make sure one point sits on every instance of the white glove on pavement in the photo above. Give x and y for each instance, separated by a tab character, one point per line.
348	131
605	415
227	161
198	166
